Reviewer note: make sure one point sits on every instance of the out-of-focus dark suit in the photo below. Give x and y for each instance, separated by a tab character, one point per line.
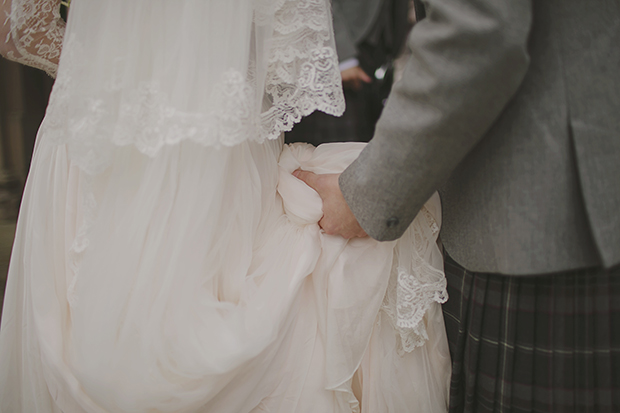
373	32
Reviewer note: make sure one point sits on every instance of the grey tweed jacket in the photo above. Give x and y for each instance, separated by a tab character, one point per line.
511	108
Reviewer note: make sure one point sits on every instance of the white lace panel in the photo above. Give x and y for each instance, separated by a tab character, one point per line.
149	73
32	33
417	280
303	73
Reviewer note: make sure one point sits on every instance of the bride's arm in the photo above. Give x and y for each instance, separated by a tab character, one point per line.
31	32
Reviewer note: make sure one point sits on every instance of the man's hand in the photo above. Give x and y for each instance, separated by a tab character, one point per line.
353	78
337	216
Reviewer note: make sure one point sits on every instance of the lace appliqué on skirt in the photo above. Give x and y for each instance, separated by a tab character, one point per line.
413	288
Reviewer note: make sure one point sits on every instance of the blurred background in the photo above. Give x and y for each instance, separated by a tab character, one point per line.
24	93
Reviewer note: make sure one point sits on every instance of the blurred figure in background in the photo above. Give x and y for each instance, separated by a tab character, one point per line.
24	92
370	34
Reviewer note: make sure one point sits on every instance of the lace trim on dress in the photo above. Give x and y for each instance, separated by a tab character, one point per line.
301	75
411	291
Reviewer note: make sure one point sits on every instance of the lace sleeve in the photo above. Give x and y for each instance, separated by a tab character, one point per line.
32	32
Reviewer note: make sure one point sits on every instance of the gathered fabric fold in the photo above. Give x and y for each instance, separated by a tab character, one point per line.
203	283
165	258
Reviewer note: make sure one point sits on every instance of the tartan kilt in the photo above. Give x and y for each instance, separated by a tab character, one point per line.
548	343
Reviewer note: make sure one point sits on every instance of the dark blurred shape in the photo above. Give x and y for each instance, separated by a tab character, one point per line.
378	30
373	32
64	9
419	10
24	93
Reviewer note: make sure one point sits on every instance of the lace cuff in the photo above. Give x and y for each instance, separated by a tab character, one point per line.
32	33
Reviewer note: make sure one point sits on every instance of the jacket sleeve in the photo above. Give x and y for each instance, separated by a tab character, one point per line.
468	59
32	32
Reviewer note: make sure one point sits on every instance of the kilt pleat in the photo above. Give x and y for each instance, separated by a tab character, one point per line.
547	343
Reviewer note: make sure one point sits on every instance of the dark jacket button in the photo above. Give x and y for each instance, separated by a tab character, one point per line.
392	222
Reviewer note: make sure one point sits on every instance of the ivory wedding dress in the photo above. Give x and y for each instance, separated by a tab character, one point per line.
165	258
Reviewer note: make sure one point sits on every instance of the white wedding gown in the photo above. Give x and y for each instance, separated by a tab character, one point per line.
165	258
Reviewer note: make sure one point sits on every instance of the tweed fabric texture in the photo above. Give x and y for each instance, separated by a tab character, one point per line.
509	108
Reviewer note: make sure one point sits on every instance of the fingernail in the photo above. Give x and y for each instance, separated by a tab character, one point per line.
296	173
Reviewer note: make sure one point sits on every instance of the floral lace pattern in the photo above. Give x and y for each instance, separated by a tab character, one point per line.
411	291
147	120
300	75
303	70
36	33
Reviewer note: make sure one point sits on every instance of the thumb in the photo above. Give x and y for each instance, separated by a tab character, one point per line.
308	177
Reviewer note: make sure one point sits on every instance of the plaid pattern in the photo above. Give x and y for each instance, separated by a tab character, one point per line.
546	343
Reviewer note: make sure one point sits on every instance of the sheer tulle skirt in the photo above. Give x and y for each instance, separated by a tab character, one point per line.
199	281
